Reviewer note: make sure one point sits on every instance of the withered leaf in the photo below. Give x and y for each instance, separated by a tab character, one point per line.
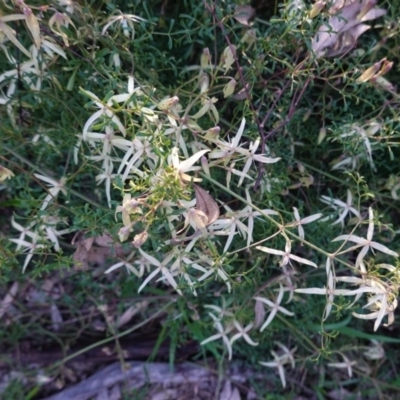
206	204
244	15
94	250
259	313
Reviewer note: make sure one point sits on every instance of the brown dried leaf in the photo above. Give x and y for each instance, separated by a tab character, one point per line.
8	299
94	250
245	15
56	317
206	204
104	240
343	28
80	257
131	312
259	312
229	392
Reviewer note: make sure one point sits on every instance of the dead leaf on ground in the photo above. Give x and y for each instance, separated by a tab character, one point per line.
206	204
131	312
259	313
8	298
94	250
229	392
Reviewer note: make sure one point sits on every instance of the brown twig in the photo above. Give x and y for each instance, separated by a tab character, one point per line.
264	136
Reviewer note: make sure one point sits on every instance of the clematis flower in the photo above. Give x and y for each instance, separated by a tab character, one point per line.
330	292
280	360
228	148
126	22
302	221
286	255
242	333
186	165
129	206
60	20
104	110
274	306
346	364
252	157
161	268
222	334
55	188
367	243
344	207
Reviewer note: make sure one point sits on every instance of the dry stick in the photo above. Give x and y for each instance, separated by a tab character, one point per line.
292	109
242	80
261	125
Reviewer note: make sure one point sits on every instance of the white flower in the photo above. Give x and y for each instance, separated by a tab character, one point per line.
280	360
242	333
161	268
30	247
344	208
231	170
251	157
60	20
214	267
222	334
381	302
299	222
346	364
48	224
367	243
139	150
107	176
10	33
126	21
55	189
248	212
109	140
330	292
375	351
231	223
221	311
104	110
286	255
228	148
24	232
274	306
68	4
127	264
186	165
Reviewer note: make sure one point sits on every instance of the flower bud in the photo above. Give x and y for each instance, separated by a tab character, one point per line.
204	83
321	135
228	57
204	164
229	88
5	173
33	26
139	239
369	72
316	8
168	103
205	59
124	232
387	66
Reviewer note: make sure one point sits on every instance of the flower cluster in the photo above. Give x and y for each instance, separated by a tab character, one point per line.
382	288
161	181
